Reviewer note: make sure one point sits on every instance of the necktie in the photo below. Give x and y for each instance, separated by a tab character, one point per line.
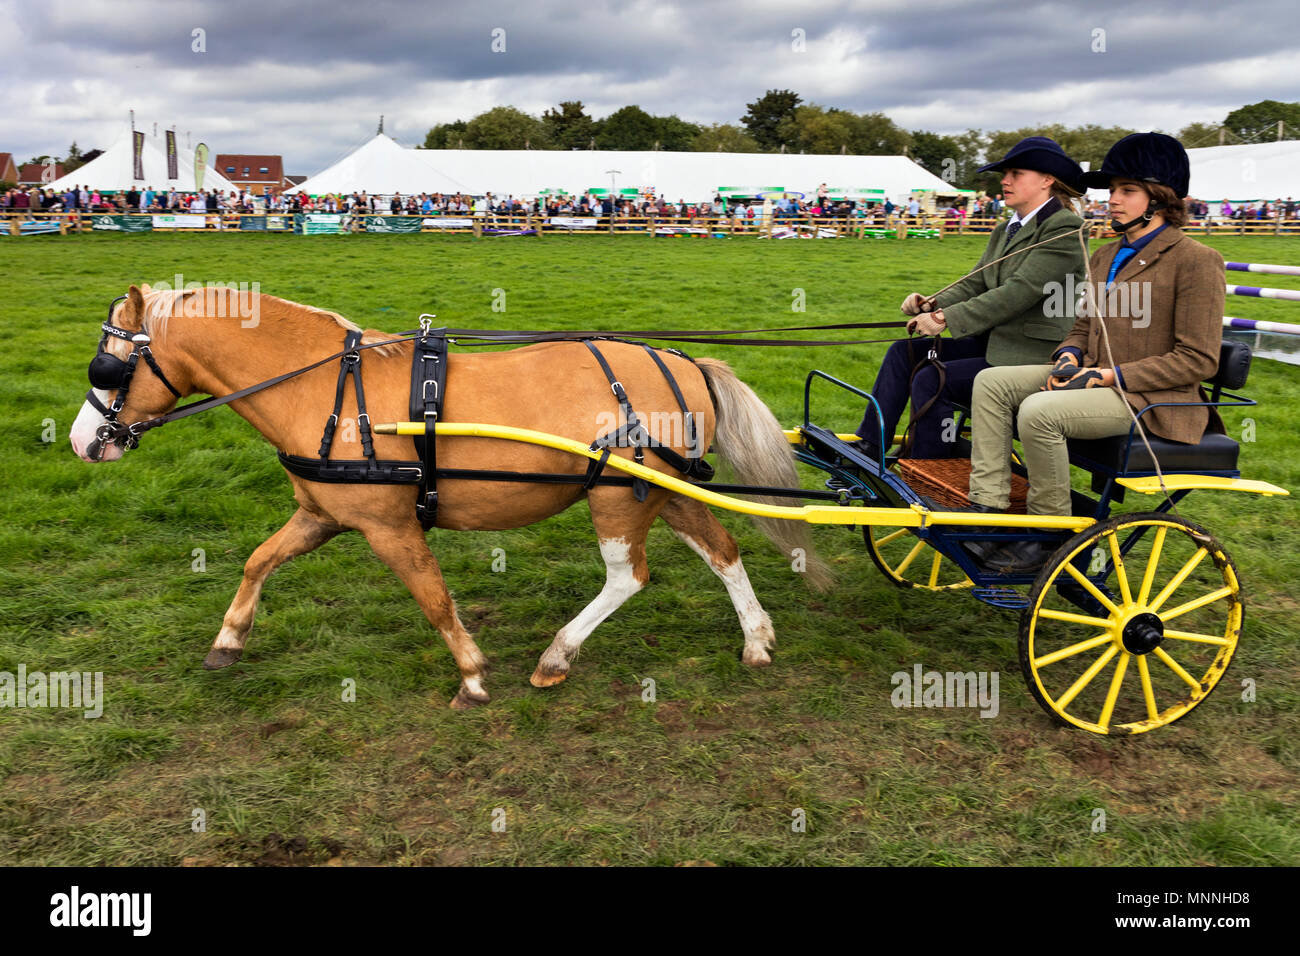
1013	229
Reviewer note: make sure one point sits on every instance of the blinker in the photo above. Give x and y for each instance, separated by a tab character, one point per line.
107	371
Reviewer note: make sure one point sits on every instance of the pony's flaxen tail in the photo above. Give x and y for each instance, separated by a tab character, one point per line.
750	440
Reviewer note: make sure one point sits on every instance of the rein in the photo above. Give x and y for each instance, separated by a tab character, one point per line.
113	430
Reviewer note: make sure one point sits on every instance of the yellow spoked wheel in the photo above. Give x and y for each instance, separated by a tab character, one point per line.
1131	624
910	562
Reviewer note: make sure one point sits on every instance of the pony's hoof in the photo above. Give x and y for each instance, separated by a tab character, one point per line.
756	656
547	676
464	700
220	657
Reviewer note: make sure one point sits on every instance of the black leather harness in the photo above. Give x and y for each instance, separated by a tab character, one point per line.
428	390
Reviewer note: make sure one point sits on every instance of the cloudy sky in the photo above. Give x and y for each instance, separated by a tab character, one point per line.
309	80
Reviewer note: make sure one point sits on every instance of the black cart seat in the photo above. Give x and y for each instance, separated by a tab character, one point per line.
1213	454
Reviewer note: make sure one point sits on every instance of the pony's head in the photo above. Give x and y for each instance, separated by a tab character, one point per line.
129	383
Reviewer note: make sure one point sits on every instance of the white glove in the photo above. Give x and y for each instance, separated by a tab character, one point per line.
915	304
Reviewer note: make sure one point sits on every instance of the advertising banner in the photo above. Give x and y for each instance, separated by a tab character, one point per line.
173	164
178	221
252	223
573	221
318	223
137	155
448	222
391	223
120	223
200	165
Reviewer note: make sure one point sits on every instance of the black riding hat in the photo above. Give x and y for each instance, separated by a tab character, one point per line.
1147	158
1042	155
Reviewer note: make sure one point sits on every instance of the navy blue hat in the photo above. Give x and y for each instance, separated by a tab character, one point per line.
1042	155
1144	158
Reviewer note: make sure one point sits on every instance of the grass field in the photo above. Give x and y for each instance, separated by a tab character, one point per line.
97	575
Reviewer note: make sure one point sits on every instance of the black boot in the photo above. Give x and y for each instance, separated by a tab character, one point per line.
1021	557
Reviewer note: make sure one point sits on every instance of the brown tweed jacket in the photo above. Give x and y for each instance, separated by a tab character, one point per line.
1165	338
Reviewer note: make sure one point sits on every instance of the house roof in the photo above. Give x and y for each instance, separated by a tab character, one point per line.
34	174
247	167
7	160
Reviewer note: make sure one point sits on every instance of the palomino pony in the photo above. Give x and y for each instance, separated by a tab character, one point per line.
200	345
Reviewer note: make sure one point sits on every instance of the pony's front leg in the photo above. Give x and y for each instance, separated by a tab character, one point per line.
405	549
302	533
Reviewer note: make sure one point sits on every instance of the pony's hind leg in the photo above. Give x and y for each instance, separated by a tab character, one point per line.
696	525
301	533
405	549
621	526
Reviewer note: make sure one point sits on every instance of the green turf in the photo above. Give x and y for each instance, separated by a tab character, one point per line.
97	575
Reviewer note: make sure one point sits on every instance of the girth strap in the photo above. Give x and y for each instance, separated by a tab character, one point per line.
428	384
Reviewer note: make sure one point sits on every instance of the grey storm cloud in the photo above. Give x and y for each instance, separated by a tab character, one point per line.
309	80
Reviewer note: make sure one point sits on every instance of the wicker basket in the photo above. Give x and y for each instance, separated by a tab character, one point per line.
946	481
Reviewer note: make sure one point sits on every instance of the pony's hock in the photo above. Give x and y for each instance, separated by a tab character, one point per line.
1124	602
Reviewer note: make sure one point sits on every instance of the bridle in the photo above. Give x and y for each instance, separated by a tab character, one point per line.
107	371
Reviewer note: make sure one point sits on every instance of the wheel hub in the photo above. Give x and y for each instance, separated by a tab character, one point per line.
1143	633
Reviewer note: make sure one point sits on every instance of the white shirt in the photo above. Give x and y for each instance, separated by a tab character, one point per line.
1016	217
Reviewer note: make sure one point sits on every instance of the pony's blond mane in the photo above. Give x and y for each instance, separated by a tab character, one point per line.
161	304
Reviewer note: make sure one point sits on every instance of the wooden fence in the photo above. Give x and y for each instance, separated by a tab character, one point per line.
660	226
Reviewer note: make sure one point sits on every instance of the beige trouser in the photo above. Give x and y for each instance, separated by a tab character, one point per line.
1045	420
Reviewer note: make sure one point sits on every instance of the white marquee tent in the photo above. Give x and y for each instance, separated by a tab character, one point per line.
382	166
1250	173
113	168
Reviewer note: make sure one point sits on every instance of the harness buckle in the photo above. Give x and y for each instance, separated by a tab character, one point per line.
424	392
931	355
426	322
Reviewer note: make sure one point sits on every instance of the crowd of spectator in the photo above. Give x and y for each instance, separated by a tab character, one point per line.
212	202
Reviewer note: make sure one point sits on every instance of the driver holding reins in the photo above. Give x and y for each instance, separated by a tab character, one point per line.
995	315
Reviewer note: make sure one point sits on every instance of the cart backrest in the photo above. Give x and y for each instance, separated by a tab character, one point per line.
1234	365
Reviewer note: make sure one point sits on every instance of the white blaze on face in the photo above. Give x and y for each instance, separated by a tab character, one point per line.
83	430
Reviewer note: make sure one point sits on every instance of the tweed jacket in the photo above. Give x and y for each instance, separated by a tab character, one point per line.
1011	301
1166	342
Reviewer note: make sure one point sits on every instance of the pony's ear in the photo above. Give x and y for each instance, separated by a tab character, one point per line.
135	302
145	287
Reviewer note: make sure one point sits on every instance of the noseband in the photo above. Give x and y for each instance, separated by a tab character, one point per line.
107	371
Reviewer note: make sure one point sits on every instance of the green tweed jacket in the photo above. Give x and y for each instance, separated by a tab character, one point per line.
1025	303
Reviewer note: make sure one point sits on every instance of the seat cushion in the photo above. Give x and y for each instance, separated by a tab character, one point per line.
1214	452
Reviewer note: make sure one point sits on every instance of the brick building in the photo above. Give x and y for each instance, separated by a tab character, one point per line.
258	174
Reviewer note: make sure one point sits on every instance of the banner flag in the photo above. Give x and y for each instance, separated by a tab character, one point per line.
137	155
173	166
200	165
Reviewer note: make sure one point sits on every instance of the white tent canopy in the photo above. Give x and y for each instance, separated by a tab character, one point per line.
1252	172
1249	173
113	169
382	166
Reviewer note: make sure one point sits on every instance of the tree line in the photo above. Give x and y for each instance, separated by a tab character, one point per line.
780	121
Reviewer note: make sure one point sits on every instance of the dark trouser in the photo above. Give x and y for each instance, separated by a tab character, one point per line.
963	359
